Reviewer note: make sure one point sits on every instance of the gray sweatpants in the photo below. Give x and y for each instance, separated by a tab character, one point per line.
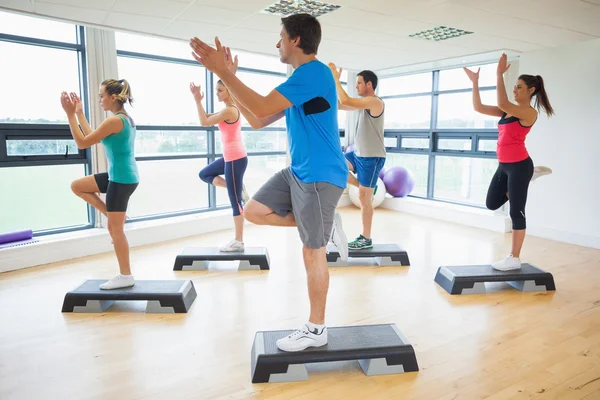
313	205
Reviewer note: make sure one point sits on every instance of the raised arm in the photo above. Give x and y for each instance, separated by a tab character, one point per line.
525	113
109	126
214	61
477	105
227	114
370	103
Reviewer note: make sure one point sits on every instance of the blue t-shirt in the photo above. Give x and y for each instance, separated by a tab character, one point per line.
312	125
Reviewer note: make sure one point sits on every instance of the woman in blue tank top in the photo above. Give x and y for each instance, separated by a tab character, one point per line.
117	134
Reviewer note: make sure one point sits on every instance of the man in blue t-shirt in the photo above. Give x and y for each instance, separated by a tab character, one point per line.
305	194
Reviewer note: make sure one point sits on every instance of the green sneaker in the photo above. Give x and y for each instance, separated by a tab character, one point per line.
361	243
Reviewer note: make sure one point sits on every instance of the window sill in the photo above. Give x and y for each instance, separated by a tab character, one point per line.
464	215
70	245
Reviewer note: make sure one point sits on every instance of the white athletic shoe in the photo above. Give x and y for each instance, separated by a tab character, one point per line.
338	237
245	196
540	171
118	282
232	246
303	338
509	263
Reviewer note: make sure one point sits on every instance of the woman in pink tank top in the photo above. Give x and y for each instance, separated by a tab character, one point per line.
234	162
515	170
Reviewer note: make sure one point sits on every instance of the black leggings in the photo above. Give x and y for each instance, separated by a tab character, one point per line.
511	178
234	176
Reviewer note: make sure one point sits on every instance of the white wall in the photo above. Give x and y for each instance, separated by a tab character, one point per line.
565	206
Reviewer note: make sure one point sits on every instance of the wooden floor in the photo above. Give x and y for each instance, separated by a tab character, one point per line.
503	345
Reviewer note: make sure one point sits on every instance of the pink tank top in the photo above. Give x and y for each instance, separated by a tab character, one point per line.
231	137
511	140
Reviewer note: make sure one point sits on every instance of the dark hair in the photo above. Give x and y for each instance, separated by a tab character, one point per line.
541	97
120	88
369	76
307	28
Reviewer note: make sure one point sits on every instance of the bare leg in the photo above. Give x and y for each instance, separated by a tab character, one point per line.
518	237
317	274
260	214
238	220
352	180
88	190
116	224
365	195
219	181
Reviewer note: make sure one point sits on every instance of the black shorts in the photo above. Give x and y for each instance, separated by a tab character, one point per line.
117	194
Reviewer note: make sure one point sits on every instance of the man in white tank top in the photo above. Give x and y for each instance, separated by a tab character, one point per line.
368	157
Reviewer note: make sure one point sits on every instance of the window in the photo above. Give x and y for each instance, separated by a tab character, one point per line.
35	92
407	84
487	145
168	142
158	102
22	206
454	144
41	59
455	110
415	143
168	186
463	179
408	113
40	28
259	62
152	45
21	147
456	78
438	137
417	165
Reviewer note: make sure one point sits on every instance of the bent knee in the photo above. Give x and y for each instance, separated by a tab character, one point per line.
492	205
252	211
75	187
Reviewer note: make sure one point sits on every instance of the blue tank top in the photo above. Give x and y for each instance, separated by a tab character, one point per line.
120	154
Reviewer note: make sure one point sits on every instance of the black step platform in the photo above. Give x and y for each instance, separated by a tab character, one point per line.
199	258
175	296
384	255
471	279
380	350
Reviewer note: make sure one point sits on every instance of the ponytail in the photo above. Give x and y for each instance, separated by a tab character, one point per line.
120	88
541	97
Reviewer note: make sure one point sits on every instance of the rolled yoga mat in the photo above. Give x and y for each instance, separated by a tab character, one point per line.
15	236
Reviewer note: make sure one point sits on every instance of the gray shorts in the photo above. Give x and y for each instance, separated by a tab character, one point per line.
313	205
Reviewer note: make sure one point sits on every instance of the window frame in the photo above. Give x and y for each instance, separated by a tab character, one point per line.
434	134
211	154
24	131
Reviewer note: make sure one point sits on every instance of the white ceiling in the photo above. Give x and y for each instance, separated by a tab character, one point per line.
361	34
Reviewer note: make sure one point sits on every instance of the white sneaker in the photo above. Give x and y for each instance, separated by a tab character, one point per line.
303	338
118	282
540	171
245	196
232	246
338	237
508	264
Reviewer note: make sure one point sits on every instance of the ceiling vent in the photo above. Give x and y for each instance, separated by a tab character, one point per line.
440	33
285	8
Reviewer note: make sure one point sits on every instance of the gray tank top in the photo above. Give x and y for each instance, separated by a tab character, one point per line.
369	135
